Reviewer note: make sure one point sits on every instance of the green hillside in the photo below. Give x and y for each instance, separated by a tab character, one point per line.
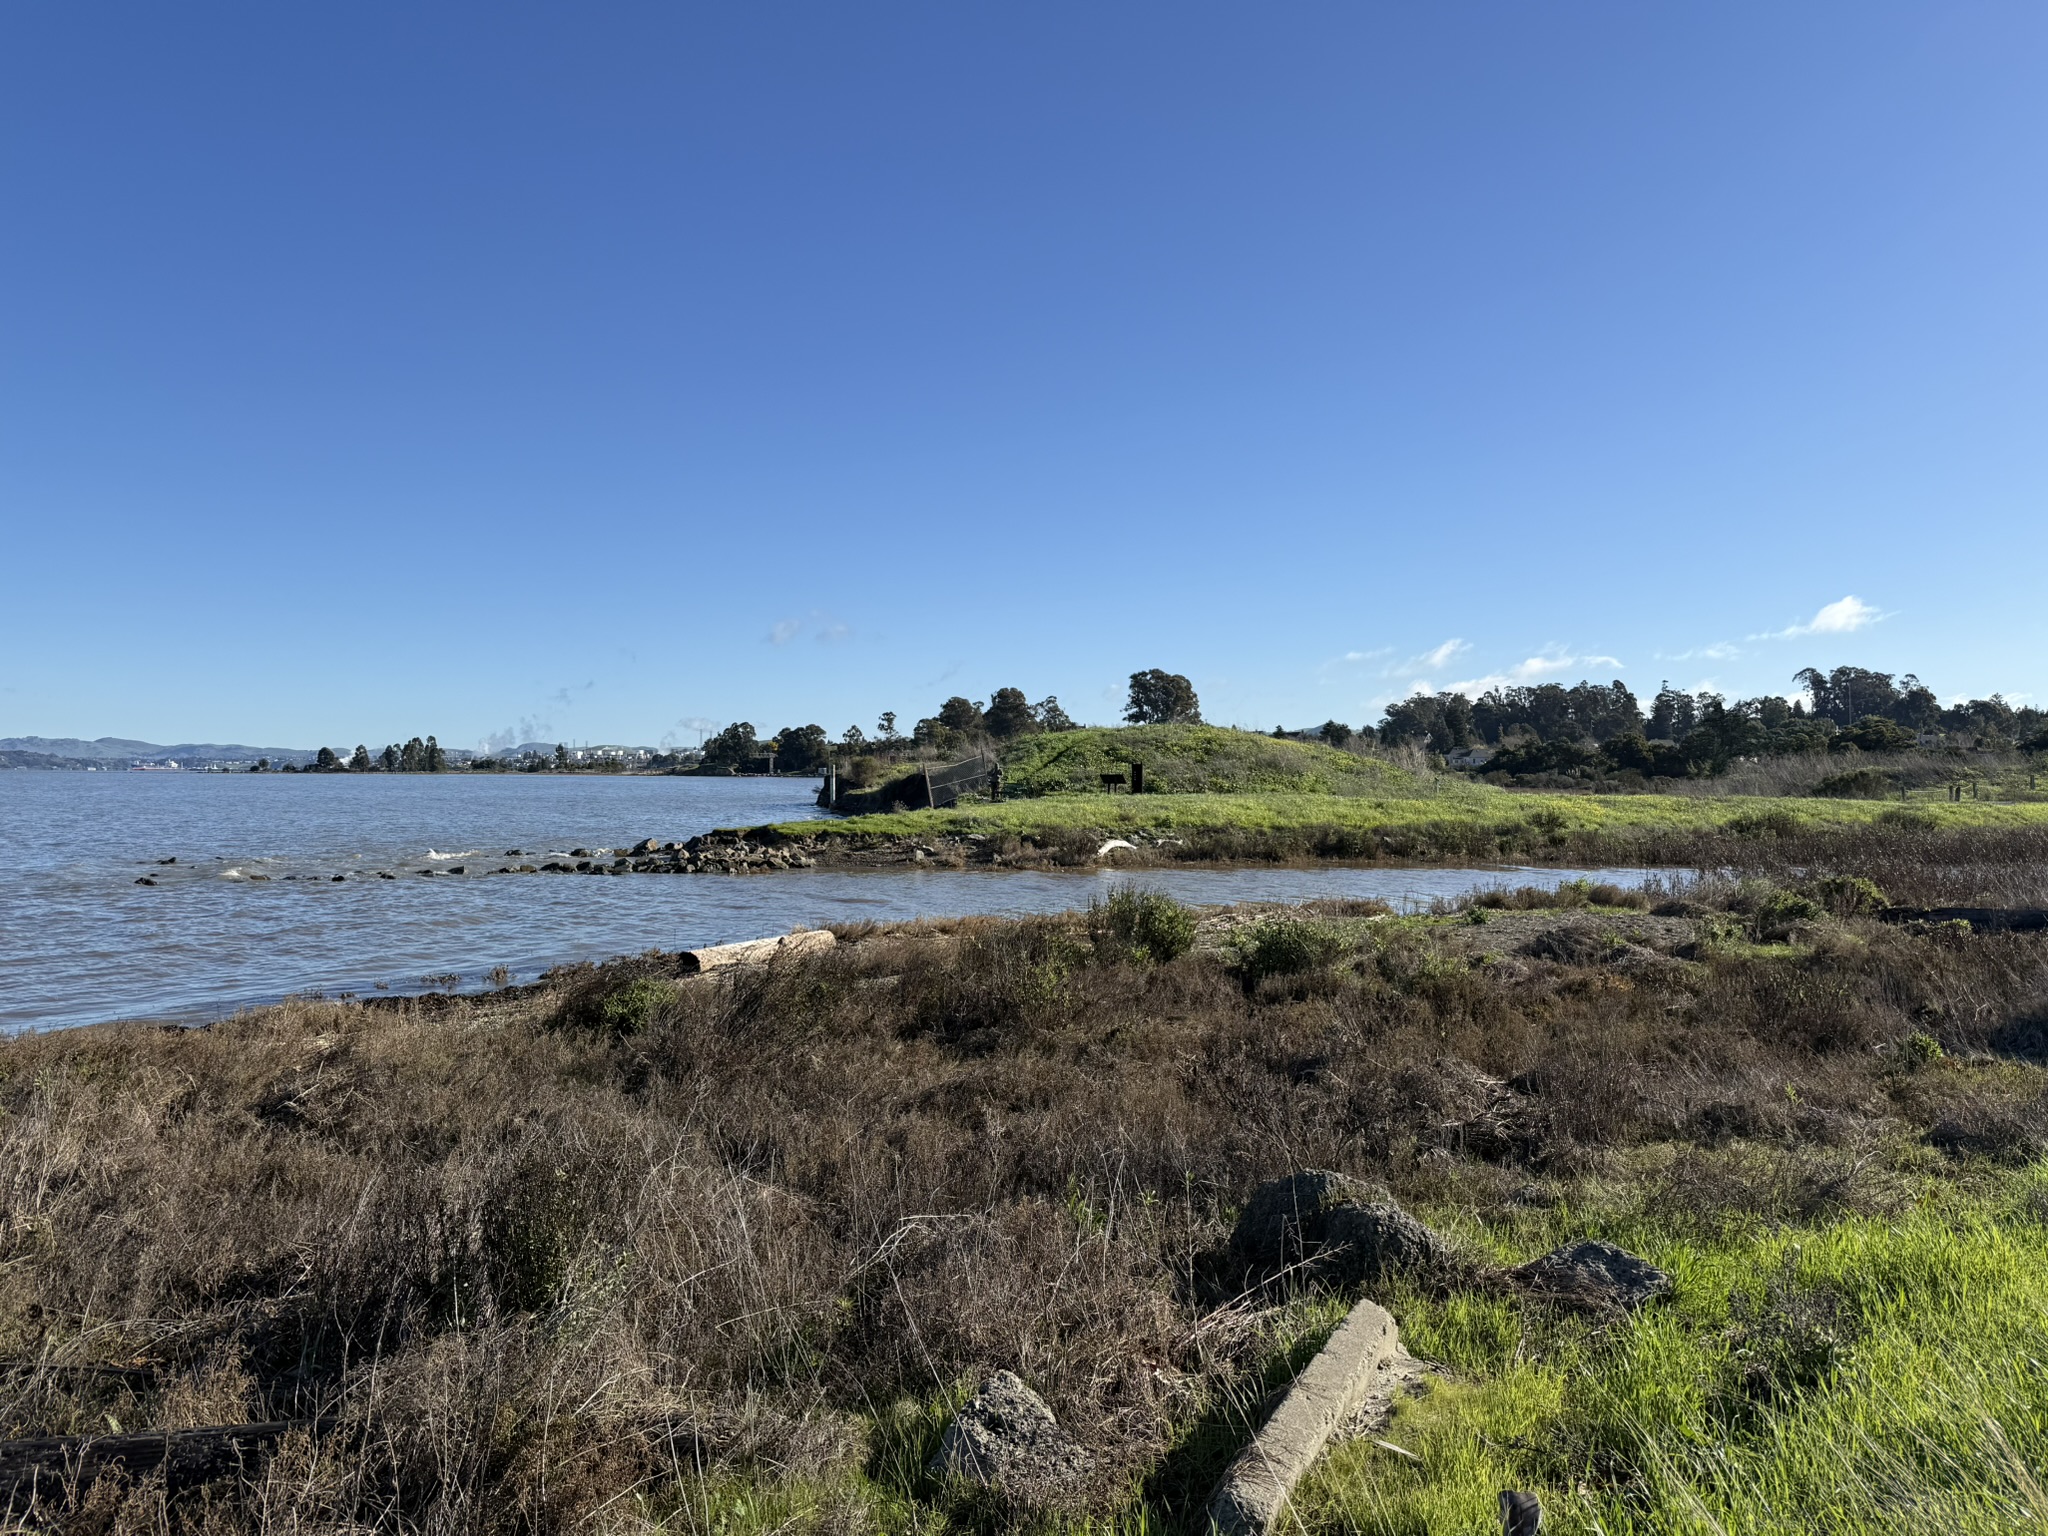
1195	759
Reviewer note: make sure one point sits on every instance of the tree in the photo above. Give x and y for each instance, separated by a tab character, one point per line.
801	749
1335	733
388	759
436	760
1874	733
887	726
855	739
1162	698
1009	714
933	735
561	758
1553	712
1847	694
1672	714
1443	722
327	762
359	762
735	747
962	715
1050	716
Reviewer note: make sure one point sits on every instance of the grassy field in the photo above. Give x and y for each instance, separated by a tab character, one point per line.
1457	821
628	1252
1237	795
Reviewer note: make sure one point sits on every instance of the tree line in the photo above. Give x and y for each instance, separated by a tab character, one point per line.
1550	728
415	756
959	725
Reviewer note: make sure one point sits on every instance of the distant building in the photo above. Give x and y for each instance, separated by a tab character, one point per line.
1471	757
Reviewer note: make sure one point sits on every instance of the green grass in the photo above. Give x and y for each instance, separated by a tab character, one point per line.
1857	1376
1197	759
1841	1377
1446	818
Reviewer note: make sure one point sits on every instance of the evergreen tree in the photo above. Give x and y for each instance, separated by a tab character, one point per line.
1162	698
735	748
359	762
1050	716
1009	714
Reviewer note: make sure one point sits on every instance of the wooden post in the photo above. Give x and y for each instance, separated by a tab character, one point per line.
1137	778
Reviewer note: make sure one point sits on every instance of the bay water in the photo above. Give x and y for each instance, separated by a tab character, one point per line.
252	912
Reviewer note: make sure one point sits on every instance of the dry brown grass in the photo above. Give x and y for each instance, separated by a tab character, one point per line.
522	1259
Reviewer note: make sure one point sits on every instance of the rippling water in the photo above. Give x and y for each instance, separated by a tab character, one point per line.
81	942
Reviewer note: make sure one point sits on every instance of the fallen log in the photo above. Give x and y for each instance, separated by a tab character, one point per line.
55	1464
808	941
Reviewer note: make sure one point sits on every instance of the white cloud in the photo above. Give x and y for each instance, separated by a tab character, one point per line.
1844	616
1720	650
1429	661
828	630
1536	669
1373	655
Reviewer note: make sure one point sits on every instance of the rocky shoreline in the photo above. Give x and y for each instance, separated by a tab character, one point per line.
765	850
759	850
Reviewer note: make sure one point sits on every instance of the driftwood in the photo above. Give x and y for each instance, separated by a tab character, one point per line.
755	951
52	1465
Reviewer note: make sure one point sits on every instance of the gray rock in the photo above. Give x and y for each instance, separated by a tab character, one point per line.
1371	1242
1341	1226
1006	1437
1287	1219
1594	1274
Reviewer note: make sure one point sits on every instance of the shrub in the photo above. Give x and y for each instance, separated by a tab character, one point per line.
597	1004
1773	912
1857	784
1280	948
1150	925
1789	1340
1850	895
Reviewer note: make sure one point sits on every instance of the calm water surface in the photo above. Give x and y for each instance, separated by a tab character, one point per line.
80	942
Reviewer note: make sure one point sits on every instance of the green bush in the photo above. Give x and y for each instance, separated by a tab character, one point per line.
1857	784
1850	895
1776	913
1278	948
621	1008
1150	925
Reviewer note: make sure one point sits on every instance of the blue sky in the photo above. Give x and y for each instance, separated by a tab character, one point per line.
579	371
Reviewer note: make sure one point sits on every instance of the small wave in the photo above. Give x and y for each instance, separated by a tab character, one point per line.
232	874
472	853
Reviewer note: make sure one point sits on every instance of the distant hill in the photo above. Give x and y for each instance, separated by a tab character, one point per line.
118	751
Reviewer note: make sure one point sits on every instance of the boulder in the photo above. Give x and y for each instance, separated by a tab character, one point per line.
1340	1225
1594	1274
1371	1242
646	845
1007	1438
1287	1218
